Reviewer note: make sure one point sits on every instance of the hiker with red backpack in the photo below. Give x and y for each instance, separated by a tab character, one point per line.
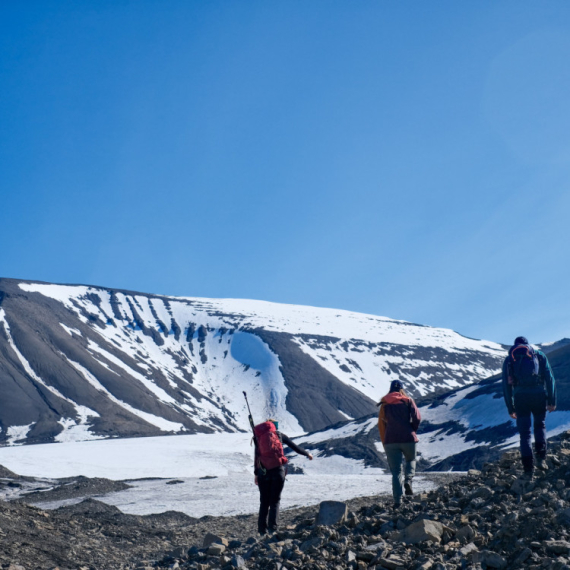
270	471
529	389
398	421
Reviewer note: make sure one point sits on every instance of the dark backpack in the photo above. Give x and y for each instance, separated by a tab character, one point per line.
523	366
269	445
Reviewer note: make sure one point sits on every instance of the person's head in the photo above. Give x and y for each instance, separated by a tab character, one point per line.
521	340
274	422
396	386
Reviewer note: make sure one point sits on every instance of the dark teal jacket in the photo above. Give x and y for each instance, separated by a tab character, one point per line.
548	384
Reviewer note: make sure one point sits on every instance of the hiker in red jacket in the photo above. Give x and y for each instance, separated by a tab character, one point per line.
398	421
270	471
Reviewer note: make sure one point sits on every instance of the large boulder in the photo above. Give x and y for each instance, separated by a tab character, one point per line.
331	513
424	529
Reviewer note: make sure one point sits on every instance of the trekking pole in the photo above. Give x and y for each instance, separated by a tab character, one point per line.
250	417
252	427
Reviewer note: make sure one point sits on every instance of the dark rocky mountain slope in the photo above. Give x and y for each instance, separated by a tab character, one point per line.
83	362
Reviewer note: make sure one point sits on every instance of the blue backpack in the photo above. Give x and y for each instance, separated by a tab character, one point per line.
523	366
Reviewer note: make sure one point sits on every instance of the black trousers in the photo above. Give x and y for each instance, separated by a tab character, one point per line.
525	406
270	486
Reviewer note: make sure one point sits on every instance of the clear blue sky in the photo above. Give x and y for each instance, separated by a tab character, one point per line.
407	159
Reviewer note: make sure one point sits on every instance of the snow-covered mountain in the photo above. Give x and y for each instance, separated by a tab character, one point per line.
460	429
83	362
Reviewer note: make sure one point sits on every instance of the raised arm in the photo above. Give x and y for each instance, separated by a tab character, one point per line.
290	443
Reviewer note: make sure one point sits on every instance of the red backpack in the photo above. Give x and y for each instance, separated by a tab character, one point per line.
269	445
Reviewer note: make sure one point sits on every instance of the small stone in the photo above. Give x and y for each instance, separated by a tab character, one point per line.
216	549
375	547
179	552
237	562
483	493
468	549
395	535
557	546
490	558
392	563
522	557
365	556
564	516
214	539
315	542
465	533
350	556
522	486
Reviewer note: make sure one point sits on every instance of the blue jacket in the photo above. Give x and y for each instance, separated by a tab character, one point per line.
548	383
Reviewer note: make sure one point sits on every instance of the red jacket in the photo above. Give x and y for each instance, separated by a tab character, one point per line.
399	419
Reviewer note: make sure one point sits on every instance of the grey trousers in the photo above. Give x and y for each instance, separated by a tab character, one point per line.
394	454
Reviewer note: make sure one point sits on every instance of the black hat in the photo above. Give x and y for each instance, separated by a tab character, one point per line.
521	340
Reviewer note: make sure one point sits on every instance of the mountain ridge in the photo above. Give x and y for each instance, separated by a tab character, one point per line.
82	362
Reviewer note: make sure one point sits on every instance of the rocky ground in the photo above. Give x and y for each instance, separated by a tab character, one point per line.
491	518
93	535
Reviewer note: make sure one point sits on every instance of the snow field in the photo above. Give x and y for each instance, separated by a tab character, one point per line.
237	494
226	457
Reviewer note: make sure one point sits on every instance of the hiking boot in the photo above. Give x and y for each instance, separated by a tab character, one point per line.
408	488
527	475
541	464
527	462
396	505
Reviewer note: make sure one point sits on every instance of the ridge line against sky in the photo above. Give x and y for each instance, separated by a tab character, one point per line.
405	160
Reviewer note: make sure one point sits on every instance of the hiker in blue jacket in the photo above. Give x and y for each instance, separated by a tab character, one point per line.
529	389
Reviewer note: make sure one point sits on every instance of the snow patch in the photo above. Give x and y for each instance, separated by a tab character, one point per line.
17	434
70	331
